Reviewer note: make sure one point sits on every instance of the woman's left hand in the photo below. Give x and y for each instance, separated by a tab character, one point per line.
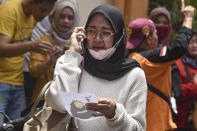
105	107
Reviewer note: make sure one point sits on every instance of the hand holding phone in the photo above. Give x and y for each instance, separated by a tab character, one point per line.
76	39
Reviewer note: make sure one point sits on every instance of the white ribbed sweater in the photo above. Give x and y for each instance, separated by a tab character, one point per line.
129	93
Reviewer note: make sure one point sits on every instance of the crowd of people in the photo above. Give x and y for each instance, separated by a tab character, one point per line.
142	81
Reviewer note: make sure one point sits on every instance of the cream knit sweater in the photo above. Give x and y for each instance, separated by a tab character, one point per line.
129	93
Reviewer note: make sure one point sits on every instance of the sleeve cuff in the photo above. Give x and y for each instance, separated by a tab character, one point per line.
73	57
117	112
186	30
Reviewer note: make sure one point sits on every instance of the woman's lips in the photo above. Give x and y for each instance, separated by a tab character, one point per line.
66	26
98	48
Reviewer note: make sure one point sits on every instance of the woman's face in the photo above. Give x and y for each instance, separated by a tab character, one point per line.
162	20
193	46
66	19
100	34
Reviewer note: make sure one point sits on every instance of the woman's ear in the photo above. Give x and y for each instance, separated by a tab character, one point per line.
148	40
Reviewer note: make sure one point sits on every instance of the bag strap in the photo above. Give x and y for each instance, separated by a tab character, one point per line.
82	68
43	92
38	100
160	94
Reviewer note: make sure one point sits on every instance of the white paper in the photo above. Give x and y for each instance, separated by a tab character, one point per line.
74	104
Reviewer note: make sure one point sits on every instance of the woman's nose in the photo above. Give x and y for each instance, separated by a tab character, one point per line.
66	20
98	36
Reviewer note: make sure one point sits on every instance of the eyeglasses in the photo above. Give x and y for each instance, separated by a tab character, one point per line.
104	35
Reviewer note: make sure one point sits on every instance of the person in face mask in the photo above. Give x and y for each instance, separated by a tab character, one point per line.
162	20
99	66
156	61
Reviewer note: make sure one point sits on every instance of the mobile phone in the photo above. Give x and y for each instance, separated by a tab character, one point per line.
81	44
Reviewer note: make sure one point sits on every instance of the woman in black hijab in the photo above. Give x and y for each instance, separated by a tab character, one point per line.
116	66
99	67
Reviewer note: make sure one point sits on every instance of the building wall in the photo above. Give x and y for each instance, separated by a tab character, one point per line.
130	8
85	7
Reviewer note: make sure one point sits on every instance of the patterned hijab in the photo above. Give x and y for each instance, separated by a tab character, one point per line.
62	39
116	66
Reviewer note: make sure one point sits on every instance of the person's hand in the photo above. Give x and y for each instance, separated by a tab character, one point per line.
76	37
42	47
57	52
187	14
105	107
188	11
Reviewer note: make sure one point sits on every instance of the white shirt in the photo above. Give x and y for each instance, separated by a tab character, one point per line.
129	92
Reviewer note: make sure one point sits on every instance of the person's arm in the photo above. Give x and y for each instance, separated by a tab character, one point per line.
67	71
189	90
188	14
66	77
11	43
8	49
132	116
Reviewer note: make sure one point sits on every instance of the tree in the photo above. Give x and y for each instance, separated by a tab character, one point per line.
174	6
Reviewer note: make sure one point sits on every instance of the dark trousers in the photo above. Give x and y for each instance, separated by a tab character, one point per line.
29	84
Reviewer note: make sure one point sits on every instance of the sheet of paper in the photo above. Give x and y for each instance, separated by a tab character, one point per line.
74	104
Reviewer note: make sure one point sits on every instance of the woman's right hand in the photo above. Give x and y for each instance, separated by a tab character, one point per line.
42	47
77	36
187	14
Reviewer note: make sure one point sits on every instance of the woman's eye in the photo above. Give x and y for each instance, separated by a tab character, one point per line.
106	33
70	17
61	16
91	31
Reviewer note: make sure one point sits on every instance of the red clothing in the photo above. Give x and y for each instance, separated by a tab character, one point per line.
189	91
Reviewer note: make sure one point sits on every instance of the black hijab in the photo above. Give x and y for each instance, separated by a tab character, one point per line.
116	66
188	59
